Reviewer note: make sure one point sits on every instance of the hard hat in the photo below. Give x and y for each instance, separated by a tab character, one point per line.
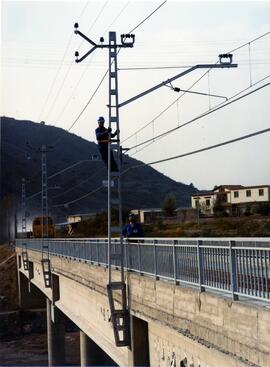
101	119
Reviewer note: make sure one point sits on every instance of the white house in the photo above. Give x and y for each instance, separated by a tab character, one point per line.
76	218
250	194
204	202
235	199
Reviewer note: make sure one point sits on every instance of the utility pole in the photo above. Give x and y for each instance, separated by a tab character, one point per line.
45	260
24	234
120	317
116	284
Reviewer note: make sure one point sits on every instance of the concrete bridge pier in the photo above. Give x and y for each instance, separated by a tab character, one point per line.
91	354
30	297
55	336
85	349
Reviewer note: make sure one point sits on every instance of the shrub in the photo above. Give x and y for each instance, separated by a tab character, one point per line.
169	205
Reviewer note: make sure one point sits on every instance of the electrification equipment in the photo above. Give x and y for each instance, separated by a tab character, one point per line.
24	232
116	283
45	260
120	314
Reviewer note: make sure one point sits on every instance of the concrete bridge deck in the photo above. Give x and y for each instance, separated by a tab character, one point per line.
171	324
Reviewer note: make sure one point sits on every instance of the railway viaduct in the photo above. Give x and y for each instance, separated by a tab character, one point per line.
171	324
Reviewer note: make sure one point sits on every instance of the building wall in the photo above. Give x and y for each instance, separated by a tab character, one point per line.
255	197
74	218
203	202
147	216
241	200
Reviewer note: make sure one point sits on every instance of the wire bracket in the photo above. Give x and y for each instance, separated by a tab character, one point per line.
127	40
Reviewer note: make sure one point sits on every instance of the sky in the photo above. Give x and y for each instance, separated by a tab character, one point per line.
41	82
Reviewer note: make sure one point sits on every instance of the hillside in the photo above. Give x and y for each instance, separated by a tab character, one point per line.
142	187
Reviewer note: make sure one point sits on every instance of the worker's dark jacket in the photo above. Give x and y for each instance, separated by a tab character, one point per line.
133	230
102	134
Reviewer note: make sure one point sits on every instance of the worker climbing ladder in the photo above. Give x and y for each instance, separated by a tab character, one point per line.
117	292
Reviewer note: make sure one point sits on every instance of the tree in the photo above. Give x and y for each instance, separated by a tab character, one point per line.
219	208
169	205
262	208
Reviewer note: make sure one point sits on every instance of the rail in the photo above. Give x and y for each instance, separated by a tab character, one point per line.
237	266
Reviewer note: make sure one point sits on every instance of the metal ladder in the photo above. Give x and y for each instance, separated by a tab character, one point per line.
116	287
45	260
24	234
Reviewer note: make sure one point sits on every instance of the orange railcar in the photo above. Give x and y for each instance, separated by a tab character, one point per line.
43	222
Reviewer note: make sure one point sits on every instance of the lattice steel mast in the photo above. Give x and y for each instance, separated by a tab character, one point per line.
24	232
116	283
45	260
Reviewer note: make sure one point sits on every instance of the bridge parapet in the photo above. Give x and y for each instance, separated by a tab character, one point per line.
236	266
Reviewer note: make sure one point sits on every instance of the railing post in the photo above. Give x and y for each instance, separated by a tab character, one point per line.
233	272
174	263
126	253
90	251
155	259
200	266
139	257
98	253
84	251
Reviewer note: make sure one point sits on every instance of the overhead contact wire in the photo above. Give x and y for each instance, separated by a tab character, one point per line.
214	109
202	76
201	150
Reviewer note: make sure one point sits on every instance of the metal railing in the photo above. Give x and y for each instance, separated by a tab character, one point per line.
239	266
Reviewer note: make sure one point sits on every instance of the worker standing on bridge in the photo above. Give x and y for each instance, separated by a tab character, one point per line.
103	136
133	228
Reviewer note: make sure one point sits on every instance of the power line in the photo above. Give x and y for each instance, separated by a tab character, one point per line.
231	141
193	84
155	67
214	109
83	73
105	74
82	12
75	200
249	42
116	17
92	96
96	19
79	184
59	91
60	66
55	78
193	152
87	103
145	19
243	63
71	64
201	150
